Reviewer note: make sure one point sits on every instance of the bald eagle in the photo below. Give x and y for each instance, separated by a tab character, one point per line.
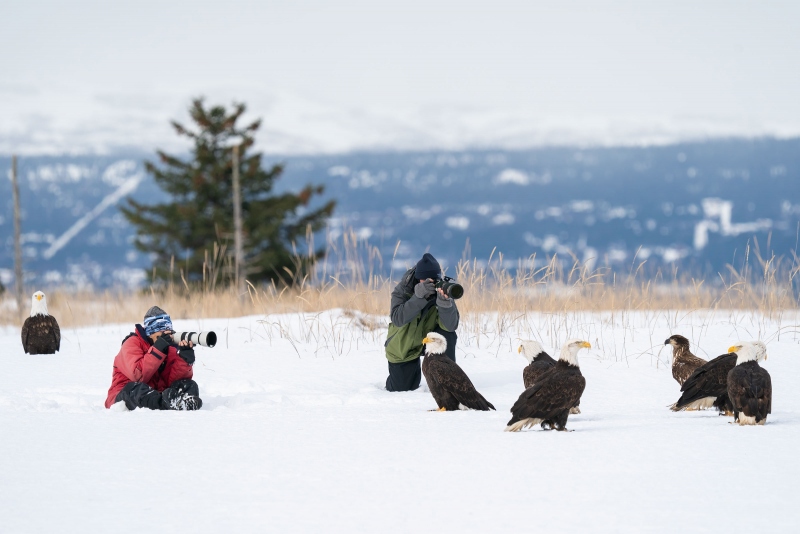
448	383
708	386
40	331
749	385
539	362
684	362
549	400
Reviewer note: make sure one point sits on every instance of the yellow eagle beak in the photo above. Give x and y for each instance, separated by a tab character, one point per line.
426	340
586	345
733	348
38	297
519	349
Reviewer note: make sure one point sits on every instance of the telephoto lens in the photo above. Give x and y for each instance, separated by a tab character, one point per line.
451	288
206	339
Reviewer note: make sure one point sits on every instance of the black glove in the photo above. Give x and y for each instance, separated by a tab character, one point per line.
187	353
163	343
425	289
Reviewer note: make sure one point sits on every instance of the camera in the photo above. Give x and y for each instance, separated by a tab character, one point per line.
451	288
206	339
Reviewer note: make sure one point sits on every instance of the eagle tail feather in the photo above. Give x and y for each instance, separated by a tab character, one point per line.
522	423
699	404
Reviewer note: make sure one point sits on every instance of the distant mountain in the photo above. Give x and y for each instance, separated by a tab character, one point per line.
696	206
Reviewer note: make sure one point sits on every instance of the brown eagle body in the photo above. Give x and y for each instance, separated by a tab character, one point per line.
750	392
684	363
548	401
41	335
541	363
447	382
749	385
450	385
708	386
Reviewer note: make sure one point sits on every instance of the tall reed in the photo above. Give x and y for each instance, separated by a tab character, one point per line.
353	275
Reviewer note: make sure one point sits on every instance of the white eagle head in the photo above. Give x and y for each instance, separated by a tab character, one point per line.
761	350
435	343
529	349
38	304
747	351
569	352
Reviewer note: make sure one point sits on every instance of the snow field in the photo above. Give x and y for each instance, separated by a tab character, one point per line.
297	435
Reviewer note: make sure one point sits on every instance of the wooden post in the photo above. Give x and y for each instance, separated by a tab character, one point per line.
237	224
17	237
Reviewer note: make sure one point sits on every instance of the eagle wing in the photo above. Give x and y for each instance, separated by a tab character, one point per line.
452	378
535	370
708	380
554	393
56	333
683	367
41	335
26	330
750	391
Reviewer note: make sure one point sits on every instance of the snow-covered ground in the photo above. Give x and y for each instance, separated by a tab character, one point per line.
297	434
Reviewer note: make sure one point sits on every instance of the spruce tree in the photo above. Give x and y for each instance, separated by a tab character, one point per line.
181	229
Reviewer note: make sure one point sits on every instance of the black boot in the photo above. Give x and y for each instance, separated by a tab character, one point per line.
182	395
139	395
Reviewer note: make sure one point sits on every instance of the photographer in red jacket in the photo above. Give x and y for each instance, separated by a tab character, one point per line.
152	371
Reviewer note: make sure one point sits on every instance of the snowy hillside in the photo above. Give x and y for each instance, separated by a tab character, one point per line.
298	435
695	206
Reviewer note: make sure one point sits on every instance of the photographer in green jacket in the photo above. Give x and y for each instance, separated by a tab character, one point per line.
418	307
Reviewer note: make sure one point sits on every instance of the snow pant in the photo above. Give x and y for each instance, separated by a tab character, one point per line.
406	376
140	395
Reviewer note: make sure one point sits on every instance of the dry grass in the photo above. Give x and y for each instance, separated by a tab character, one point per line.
349	279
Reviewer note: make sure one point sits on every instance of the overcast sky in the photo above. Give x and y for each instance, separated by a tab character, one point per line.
87	76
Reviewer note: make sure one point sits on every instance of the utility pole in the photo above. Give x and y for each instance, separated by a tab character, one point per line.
17	235
237	224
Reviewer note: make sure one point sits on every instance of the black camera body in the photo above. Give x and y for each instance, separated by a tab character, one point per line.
451	288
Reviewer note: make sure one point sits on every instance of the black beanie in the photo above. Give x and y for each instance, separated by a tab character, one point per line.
428	267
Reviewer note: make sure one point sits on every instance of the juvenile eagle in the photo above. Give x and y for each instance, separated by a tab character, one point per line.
684	362
549	400
708	386
449	384
40	331
749	385
539	362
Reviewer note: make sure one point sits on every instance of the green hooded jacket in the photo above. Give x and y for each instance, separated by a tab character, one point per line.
413	318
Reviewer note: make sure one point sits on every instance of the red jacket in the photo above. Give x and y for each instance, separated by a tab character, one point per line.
139	361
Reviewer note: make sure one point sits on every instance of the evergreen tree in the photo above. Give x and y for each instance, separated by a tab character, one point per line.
196	213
